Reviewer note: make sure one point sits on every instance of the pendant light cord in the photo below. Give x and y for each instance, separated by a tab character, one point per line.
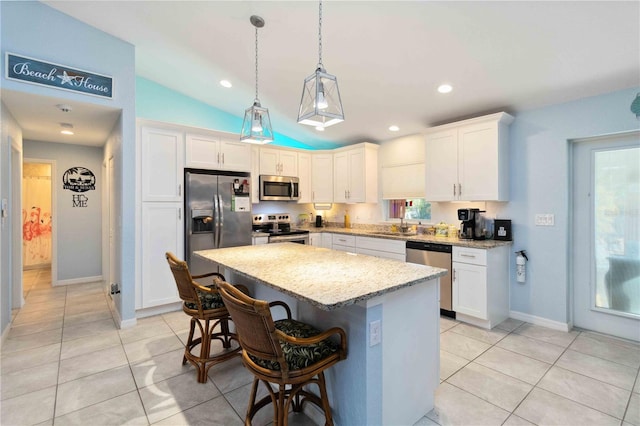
320	36
256	63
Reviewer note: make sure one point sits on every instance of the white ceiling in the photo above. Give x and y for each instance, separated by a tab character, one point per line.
389	56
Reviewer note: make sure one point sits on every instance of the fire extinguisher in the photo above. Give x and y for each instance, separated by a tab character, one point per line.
521	261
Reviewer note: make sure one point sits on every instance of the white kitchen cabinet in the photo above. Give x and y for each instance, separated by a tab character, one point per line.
259	240
304	174
468	160
355	178
327	240
343	242
315	239
278	162
402	167
162	232
481	285
217	153
381	247
322	177
161	163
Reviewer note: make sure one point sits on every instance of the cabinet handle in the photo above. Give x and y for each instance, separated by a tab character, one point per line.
345	194
454	189
460	189
471	256
179	213
313	195
218	158
223	158
454	275
179	190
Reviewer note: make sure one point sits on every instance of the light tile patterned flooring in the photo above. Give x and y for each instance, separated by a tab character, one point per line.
65	363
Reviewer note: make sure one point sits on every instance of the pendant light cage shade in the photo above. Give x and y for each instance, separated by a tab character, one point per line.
320	105
256	126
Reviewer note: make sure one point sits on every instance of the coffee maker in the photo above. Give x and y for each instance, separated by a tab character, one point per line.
472	226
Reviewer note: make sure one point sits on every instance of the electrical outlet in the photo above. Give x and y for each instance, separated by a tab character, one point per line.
375	333
546	219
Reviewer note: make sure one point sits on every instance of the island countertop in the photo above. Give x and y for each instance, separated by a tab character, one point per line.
327	279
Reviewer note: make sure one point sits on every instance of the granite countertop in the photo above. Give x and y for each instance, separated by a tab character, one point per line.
328	279
363	232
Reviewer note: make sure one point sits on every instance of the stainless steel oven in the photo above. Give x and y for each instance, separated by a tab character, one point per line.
291	238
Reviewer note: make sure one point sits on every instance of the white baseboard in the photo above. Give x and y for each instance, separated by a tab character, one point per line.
157	310
82	280
543	322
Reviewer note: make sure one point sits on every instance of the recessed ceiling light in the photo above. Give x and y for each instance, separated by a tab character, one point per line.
320	128
67	129
225	83
445	88
394	128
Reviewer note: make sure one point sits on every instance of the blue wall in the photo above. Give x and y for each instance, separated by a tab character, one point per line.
159	103
36	30
540	178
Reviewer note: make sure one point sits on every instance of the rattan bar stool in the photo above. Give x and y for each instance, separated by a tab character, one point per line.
207	311
288	353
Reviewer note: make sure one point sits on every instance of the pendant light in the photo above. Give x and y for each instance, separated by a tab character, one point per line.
256	127
320	105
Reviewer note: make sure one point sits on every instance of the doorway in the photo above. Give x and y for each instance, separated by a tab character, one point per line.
606	234
38	223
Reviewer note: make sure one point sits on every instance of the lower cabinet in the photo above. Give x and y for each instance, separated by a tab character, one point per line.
327	241
315	239
259	240
381	247
481	285
343	242
162	232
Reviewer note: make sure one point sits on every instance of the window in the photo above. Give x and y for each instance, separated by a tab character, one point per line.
414	209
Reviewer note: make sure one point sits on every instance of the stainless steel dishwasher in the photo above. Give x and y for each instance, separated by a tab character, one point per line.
439	256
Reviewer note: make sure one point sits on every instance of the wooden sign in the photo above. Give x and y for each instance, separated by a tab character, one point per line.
34	71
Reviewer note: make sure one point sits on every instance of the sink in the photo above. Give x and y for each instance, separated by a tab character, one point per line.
395	234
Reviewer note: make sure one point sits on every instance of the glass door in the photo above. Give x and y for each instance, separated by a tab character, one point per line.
606	234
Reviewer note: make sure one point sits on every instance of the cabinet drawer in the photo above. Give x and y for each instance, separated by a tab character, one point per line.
469	255
344	240
381	244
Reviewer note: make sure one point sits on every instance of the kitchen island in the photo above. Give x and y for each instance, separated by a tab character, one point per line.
389	310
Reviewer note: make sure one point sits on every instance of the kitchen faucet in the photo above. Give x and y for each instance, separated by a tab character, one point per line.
403	226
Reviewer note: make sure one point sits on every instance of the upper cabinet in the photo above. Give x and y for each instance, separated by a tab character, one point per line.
278	162
402	167
212	152
468	160
304	174
322	177
355	174
161	155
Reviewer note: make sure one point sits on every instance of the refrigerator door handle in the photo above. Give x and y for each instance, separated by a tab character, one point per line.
220	221
215	221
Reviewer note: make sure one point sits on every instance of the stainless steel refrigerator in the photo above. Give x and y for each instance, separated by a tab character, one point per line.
218	214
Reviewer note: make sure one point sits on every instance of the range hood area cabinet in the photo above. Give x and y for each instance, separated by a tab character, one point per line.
278	162
468	160
355	174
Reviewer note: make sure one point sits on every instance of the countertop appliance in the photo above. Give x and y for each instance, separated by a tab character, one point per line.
278	226
218	213
439	256
279	188
473	224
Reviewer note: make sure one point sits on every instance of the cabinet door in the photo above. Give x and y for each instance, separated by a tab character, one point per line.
478	162
162	157
304	174
202	152
356	192
327	241
340	177
441	166
315	240
269	162
322	178
162	231
288	163
470	289
235	156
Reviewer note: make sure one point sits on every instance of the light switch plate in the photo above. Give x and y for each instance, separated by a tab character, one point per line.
375	333
545	219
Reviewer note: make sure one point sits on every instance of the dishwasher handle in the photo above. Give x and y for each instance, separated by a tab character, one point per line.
421	245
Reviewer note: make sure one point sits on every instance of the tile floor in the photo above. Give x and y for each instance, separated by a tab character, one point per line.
65	363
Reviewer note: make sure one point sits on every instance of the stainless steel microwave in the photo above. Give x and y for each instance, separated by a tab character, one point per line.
279	188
